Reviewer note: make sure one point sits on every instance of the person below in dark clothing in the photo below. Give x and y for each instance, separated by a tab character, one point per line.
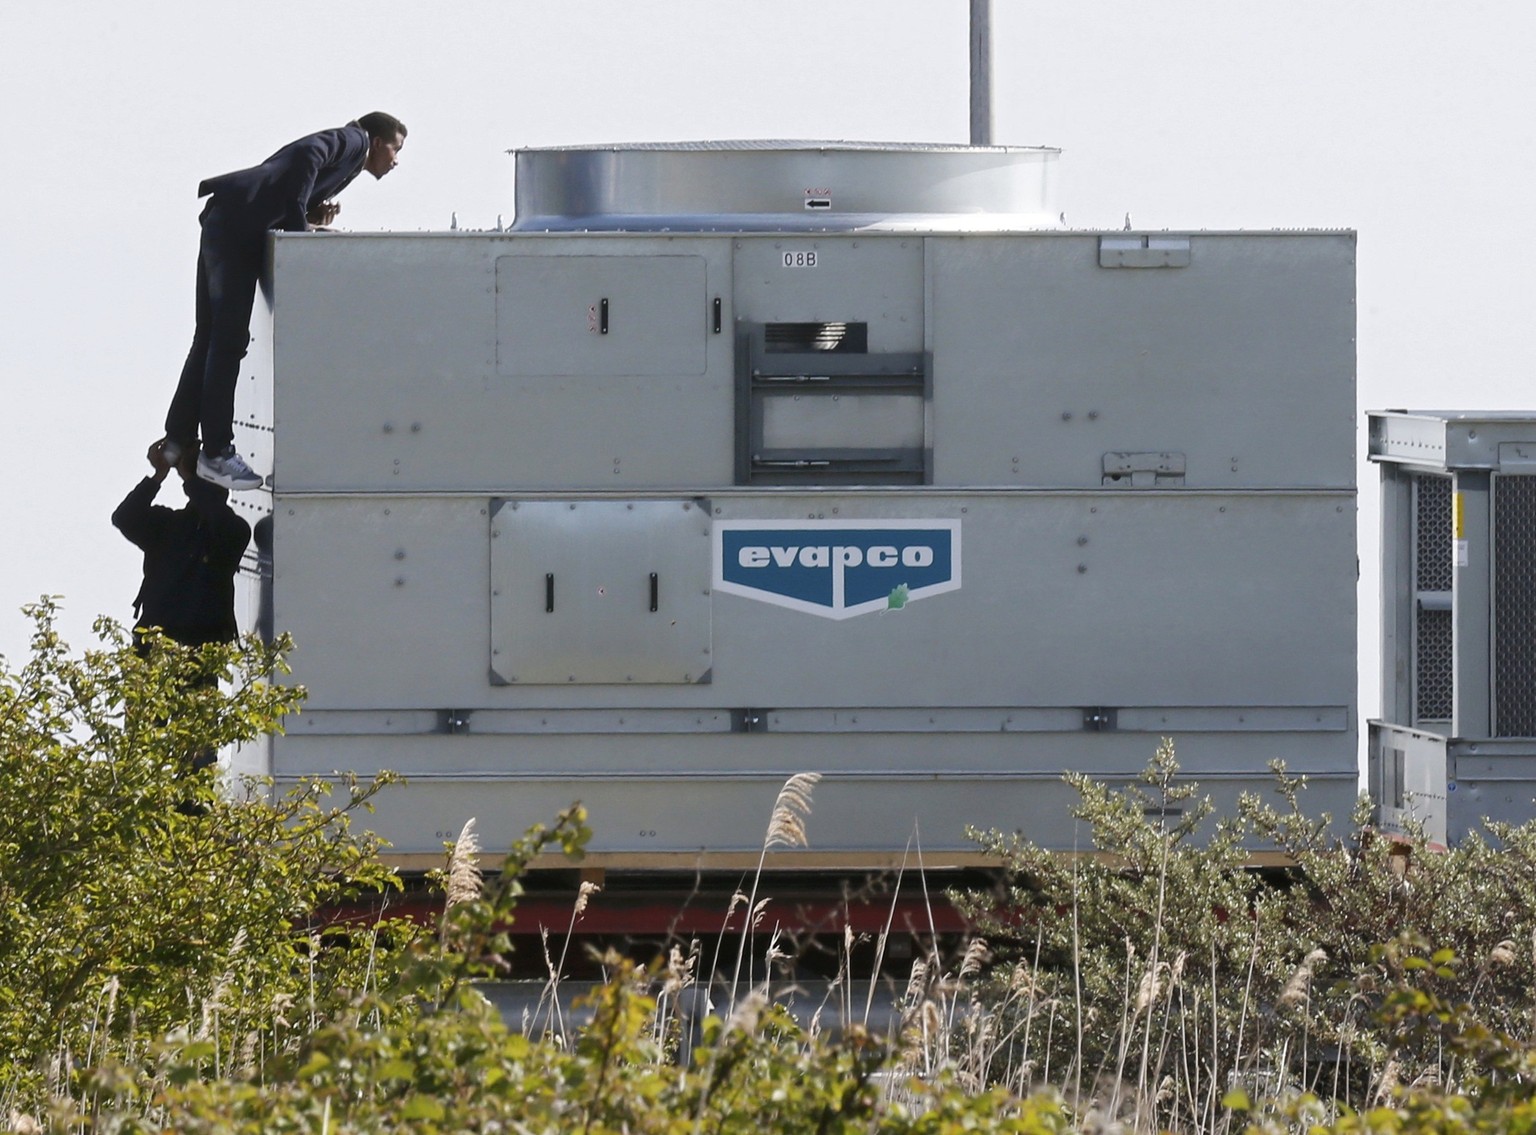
292	190
191	555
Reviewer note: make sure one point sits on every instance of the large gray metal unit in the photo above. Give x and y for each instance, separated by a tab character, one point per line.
738	460
1458	527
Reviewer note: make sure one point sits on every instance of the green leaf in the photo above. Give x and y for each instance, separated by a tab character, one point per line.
422	1107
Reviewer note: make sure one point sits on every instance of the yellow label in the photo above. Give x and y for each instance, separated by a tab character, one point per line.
1461	516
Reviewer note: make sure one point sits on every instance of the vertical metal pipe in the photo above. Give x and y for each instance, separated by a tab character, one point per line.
981	72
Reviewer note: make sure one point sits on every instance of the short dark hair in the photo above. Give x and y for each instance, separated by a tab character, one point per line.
381	125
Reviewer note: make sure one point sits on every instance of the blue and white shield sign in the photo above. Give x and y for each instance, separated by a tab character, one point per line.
837	568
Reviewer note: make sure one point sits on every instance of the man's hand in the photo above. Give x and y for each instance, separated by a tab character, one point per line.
157	458
323	214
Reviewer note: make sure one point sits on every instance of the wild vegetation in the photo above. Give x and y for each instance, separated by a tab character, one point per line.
161	969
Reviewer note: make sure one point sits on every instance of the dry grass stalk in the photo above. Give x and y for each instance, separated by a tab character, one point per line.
917	981
976	955
1150	990
587	890
1390	1077
786	826
464	879
1298	987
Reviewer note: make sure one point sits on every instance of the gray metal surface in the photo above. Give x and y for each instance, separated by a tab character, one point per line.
648	313
1459	617
980	508
1406	777
597	591
1043	617
1489	779
1454	439
1243	361
707	811
783	186
1042	361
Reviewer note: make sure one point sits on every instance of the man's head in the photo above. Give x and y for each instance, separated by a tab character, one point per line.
386	134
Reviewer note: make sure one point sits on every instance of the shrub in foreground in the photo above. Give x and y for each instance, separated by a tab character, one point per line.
139	900
1158	975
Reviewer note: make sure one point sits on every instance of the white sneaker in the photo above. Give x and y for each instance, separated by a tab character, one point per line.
227	470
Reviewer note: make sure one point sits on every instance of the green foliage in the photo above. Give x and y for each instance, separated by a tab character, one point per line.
161	974
1158	975
422	1051
1496	1094
159	970
138	899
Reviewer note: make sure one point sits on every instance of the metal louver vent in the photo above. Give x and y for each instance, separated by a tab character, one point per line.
796	338
1432	570
1514	606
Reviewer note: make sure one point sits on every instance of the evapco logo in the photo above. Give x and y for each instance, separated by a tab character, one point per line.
834	568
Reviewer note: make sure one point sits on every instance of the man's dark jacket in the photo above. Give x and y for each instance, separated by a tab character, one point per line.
191	555
279	192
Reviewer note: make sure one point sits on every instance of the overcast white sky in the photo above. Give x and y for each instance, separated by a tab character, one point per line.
1408	120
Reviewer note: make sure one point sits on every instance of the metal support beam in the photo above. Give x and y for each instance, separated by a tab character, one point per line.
1397	594
1472	711
981	72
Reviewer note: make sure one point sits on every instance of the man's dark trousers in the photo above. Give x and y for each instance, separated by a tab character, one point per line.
229	263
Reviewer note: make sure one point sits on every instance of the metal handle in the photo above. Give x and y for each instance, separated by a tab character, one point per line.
549	591
654	589
602	316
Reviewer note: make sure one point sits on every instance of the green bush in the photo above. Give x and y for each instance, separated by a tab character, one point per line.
161	972
159	968
1157	975
138	900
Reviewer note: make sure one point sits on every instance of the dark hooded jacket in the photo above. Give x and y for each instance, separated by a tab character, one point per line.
191	555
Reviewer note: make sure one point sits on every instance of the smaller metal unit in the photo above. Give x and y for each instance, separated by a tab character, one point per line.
1458	617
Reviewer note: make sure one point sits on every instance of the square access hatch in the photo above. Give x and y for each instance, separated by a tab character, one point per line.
599	591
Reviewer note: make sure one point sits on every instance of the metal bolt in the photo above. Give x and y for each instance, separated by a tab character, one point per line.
1082	568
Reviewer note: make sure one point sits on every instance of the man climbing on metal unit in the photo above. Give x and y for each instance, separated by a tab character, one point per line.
293	191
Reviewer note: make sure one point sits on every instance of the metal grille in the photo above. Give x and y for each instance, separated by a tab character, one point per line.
796	338
1432	571
1514	606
